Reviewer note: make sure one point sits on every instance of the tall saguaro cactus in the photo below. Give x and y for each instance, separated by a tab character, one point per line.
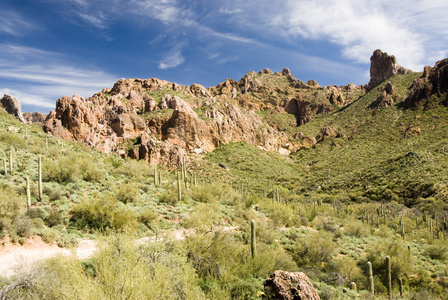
253	246
371	281
40	177
4	166
28	193
10	161
388	278
179	187
155	176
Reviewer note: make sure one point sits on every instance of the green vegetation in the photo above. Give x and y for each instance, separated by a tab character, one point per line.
371	198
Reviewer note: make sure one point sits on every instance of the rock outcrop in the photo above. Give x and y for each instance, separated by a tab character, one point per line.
35	117
382	67
386	98
128	121
289	286
433	81
12	106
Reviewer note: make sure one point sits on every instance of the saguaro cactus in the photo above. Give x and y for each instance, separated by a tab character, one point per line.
353	286
179	187
371	281
40	177
28	193
253	246
155	176
400	284
388	277
10	161
4	166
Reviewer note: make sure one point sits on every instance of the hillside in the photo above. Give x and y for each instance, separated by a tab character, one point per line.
362	178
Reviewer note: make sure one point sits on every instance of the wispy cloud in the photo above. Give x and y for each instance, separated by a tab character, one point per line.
41	77
28	99
14	23
172	60
98	21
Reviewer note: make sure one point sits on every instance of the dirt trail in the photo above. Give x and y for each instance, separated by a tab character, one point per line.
15	257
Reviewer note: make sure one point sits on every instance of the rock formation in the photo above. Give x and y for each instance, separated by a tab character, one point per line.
12	106
35	117
382	67
128	120
289	286
433	81
386	97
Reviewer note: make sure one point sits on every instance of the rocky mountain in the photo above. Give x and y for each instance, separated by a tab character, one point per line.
159	121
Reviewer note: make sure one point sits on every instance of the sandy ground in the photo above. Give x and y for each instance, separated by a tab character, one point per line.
14	258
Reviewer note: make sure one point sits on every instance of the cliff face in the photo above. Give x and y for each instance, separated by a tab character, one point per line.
157	121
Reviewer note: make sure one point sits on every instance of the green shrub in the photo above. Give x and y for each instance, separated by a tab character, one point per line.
54	218
401	258
91	170
52	193
11	207
128	193
147	216
103	213
49	235
202	214
437	250
313	249
61	170
356	228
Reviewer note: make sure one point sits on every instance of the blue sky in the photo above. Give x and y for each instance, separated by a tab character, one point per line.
52	48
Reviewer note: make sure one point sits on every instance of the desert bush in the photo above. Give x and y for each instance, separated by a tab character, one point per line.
202	214
91	170
313	249
215	192
401	258
38	212
138	170
52	193
356	228
11	207
147	216
54	218
24	226
437	250
128	193
61	170
49	235
124	270
103	213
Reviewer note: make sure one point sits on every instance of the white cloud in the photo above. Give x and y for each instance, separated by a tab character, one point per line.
407	29
29	99
172	60
13	23
95	21
40	77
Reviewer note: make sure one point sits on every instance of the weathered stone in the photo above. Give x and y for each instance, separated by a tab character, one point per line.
12	106
283	285
382	67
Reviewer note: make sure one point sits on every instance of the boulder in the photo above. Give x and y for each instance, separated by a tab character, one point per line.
12	106
289	286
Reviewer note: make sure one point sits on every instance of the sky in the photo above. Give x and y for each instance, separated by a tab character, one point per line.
55	48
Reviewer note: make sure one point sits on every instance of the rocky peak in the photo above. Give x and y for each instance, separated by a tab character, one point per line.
12	106
433	81
382	67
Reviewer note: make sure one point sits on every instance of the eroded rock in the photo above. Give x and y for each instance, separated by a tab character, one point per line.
283	285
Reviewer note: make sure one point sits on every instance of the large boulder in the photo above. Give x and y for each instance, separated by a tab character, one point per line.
12	106
289	286
382	67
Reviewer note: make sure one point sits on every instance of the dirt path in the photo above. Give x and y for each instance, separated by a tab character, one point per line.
15	257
